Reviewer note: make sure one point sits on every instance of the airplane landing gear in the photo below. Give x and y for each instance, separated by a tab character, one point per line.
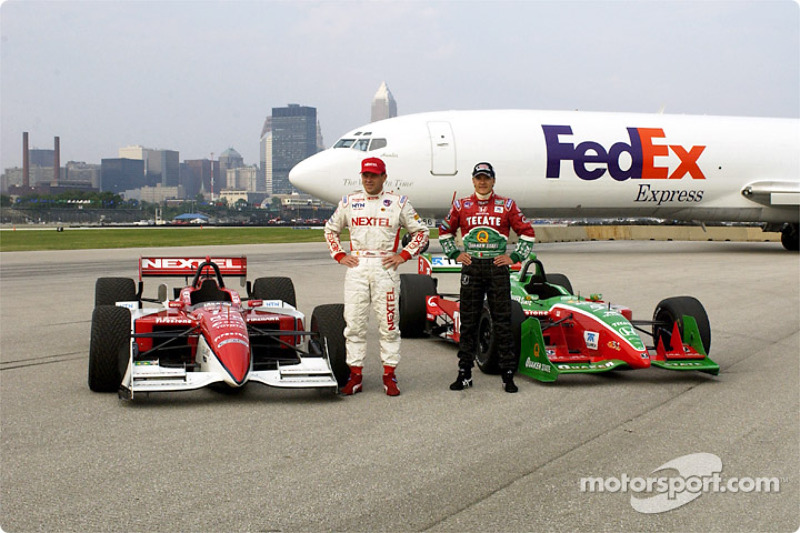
790	237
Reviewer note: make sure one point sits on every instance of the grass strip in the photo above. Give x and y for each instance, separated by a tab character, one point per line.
101	238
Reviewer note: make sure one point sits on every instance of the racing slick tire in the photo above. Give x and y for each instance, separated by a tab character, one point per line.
560	279
414	288
275	288
671	310
109	347
109	291
328	321
487	358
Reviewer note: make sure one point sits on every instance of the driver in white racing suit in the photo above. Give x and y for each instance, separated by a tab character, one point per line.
374	218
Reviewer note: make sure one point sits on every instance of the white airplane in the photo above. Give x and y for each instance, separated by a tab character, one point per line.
581	164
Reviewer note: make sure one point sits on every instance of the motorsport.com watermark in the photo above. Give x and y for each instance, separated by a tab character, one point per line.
698	473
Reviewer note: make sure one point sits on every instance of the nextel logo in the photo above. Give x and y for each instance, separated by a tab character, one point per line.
642	149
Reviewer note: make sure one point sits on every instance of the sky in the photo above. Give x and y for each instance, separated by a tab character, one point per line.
201	76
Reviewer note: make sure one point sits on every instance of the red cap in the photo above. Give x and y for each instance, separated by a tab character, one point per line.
373	165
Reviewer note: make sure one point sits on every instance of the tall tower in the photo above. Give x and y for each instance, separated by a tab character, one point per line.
26	166
383	104
265	156
56	159
294	138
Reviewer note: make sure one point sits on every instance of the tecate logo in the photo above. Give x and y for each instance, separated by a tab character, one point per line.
590	159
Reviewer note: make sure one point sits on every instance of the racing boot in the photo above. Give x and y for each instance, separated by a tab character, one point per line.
390	381
354	382
508	381
464	379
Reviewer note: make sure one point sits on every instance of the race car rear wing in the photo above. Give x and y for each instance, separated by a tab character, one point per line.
187	266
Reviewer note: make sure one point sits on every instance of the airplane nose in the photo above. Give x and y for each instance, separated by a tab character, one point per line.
300	175
321	174
309	176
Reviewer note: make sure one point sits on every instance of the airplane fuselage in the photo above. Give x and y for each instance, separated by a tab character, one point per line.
579	164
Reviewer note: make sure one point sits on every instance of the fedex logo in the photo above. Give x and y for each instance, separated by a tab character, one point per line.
590	159
370	221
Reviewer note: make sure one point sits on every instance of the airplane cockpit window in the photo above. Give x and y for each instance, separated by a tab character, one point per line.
376	144
364	144
344	143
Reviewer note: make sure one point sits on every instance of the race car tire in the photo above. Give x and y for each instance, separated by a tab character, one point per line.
407	239
275	288
414	288
109	347
560	279
328	321
109	291
672	310
487	358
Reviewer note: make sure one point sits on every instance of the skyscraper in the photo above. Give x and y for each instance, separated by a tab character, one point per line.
121	174
265	153
383	104
228	160
161	167
294	138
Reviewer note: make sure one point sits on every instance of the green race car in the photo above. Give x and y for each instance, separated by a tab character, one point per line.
558	332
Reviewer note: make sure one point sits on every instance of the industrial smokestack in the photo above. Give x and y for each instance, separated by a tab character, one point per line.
26	167
56	159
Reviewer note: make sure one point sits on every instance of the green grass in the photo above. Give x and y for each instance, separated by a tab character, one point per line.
82	239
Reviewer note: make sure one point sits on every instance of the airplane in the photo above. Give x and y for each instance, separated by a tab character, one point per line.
581	165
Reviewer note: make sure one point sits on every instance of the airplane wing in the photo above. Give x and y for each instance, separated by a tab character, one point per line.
773	193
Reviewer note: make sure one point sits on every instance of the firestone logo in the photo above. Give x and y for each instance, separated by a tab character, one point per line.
591	160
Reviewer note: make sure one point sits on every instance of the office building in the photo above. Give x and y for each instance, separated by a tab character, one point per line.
265	155
161	167
121	174
243	178
80	172
294	138
42	158
383	104
228	160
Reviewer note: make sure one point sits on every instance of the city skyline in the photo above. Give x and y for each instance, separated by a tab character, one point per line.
296	132
200	77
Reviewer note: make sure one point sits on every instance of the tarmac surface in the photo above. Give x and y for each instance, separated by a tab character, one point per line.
431	459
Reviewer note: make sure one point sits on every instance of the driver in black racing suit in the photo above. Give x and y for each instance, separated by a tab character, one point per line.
485	220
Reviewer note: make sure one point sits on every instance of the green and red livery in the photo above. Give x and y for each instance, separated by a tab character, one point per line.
559	332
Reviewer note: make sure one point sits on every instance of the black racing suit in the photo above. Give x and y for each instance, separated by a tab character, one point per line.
479	279
485	225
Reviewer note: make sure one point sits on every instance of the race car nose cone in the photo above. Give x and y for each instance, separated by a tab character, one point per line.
234	355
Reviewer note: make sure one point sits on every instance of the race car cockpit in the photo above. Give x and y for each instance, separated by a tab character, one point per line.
209	291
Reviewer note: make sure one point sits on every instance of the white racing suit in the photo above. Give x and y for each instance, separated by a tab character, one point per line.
374	223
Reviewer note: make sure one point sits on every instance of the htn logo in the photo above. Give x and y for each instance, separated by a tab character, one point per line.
642	150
